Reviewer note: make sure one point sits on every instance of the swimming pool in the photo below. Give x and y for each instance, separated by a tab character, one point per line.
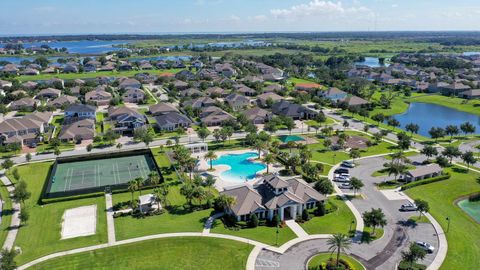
241	168
291	138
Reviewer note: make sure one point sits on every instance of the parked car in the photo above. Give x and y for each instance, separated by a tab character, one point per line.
341	170
345	175
340	178
346	185
425	246
348	164
408	207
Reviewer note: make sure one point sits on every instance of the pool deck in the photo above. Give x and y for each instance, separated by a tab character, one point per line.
220	184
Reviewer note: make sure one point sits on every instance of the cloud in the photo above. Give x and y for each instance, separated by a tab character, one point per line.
318	7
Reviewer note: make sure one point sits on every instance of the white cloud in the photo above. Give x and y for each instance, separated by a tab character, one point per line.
318	7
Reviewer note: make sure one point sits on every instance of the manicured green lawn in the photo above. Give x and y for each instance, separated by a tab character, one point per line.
41	235
170	253
339	221
324	257
264	234
384	172
6	212
464	234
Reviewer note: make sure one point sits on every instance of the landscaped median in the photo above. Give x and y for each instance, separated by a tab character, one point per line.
320	262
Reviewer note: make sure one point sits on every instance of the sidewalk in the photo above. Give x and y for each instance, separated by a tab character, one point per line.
15	223
110	221
297	229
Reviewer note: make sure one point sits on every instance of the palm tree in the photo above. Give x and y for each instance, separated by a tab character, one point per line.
139	182
132	187
259	145
290	145
161	193
190	164
338	243
268	159
154	178
224	201
211	156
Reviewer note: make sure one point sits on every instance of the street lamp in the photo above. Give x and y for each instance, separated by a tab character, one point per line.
276	236
334	156
448	224
351	224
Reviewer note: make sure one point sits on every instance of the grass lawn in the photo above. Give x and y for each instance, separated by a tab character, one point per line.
315	123
338	221
41	235
464	234
384	172
262	233
6	212
170	253
470	106
367	235
418	219
316	260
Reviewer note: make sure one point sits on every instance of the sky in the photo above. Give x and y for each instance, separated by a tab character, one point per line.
33	17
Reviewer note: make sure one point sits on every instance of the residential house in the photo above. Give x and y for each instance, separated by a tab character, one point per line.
162	108
78	131
129	83
423	172
25	130
257	115
10	69
214	116
29	85
5	84
295	111
225	69
354	101
201	102
273	88
268	98
180	85
333	94
30	72
216	92
172	121
70	68
237	102
286	197
470	94
24	104
62	101
191	92
49	93
126	120
309	87
79	111
98	96
245	90
133	95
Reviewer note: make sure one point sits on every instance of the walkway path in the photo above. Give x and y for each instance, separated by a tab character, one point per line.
15	223
297	229
110	221
209	223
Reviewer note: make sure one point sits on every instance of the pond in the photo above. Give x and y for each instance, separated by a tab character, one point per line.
428	115
80	47
471	208
372	62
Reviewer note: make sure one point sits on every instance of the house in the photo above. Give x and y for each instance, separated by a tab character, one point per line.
78	131
191	92
257	115
185	75
225	69
172	121
180	85
354	101
49	93
25	130
309	87
267	99
62	101
237	102
470	94
295	111
126	120
201	102
129	83
5	84
125	66
56	82
98	96
423	172
214	116
454	88
24	104
78	111
245	90
10	69
30	72
29	85
145	65
273	88
133	95
216	92
333	94
274	195
162	108
70	68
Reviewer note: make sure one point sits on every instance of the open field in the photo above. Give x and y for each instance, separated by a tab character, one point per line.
464	233
171	253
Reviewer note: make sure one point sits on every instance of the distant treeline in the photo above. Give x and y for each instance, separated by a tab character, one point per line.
444	38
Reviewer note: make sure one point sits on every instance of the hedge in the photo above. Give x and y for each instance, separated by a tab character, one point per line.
426	181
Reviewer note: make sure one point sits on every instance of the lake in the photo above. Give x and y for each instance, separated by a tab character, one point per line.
80	47
471	208
372	62
428	115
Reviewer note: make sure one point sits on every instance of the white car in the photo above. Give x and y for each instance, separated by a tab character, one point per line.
425	246
408	207
346	185
348	164
341	178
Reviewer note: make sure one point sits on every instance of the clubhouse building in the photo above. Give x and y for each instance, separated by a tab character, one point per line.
273	195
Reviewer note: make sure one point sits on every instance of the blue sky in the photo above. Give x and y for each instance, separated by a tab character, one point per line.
171	16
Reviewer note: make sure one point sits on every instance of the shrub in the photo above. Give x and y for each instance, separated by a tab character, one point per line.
474	197
406	266
321	211
305	215
253	221
426	181
275	221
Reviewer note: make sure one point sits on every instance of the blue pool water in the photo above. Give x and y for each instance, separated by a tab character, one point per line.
241	169
432	115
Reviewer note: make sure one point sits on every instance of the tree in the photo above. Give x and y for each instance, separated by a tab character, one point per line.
354	153
7	164
429	151
467	127
223	202
379	117
324	186
374	218
259	145
321	211
345	124
132	187
268	159
21	194
305	215
110	136
356	184
209	181
120	145
393	122
161	192
289	124
16	174
395	168
327	143
188	191
7	259
57	151
28	157
153	178
412	128
413	254
451	130
436	133
203	133
24	216
338	243
451	152
253	221
469	158
422	206
89	147
210	155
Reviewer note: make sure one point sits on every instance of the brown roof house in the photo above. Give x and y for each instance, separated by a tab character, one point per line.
126	120
470	94
49	93
285	196
268	98
78	131
257	115
133	95
62	101
162	108
214	116
423	172
25	130
98	96
129	83
237	102
24	104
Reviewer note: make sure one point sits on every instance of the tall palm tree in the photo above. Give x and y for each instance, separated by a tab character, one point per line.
338	243
224	201
268	159
290	145
211	156
154	178
139	182
132	187
259	145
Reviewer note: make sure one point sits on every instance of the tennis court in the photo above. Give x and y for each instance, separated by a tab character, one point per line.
78	175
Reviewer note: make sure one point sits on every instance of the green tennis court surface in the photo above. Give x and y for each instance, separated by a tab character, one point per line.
100	172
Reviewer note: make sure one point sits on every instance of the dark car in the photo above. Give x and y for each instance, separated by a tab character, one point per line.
341	170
